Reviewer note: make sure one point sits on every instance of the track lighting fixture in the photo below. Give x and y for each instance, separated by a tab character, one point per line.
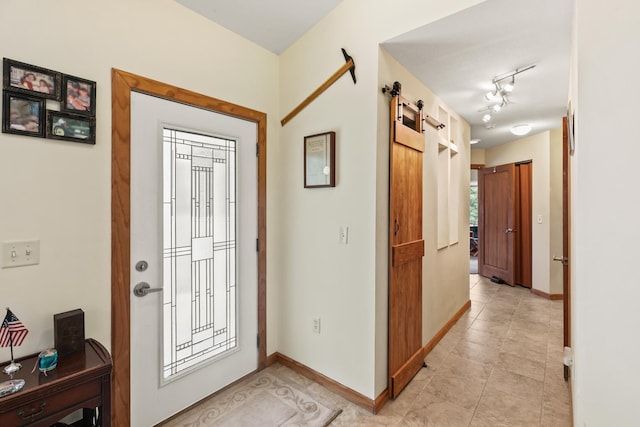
502	87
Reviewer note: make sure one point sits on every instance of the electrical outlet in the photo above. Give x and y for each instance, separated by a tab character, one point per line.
316	325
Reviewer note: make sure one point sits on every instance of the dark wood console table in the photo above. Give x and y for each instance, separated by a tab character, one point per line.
82	380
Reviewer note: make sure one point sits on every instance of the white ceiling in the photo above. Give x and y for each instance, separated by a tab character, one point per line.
272	24
456	57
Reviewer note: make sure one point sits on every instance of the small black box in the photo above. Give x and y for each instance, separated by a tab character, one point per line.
68	331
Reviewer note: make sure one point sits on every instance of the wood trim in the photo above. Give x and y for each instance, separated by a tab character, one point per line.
122	84
447	326
566	238
344	391
476	166
524	224
407	252
351	395
408	137
406	372
381	400
543	294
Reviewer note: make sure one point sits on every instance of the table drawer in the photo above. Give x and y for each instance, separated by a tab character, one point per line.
49	405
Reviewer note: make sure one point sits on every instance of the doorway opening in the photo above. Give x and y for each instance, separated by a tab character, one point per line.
474	248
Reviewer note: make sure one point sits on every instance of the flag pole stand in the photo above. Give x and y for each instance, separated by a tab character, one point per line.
13	366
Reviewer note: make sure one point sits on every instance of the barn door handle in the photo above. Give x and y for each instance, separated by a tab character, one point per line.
396	227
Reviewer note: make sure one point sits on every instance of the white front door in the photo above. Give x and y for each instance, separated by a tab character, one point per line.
193	239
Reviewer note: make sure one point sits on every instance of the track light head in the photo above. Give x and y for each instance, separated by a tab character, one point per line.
491	96
508	87
486	118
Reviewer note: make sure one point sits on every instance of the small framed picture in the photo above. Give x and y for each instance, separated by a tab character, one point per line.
22	114
71	127
31	80
319	160
78	95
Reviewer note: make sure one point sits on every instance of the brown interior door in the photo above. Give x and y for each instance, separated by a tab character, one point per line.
496	218
406	244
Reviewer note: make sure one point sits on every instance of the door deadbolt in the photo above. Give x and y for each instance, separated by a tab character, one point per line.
142	265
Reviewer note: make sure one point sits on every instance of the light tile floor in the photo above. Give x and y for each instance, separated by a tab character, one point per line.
500	365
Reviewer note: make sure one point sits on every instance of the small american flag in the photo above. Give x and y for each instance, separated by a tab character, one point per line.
12	330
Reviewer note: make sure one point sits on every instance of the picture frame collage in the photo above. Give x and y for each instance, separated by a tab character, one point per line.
43	103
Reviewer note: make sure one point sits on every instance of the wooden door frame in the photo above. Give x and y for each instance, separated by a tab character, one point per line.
122	84
566	238
521	235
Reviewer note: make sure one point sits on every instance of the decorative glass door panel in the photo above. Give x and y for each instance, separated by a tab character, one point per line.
199	250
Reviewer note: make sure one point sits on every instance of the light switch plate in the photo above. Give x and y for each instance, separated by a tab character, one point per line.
344	234
16	254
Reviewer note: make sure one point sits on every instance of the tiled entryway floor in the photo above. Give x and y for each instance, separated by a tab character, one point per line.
500	365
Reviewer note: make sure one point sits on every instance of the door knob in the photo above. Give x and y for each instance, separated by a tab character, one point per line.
143	288
563	259
509	230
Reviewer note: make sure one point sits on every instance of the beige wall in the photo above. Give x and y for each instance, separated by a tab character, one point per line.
61	191
478	156
542	149
345	285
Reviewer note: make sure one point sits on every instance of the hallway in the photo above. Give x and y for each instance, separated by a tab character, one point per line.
500	365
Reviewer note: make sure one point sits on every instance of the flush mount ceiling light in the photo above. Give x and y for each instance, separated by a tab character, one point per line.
521	130
474	141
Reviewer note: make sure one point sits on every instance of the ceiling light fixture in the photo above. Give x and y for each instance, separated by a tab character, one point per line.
521	130
503	87
474	141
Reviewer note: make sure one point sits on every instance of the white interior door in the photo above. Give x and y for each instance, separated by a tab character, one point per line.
194	224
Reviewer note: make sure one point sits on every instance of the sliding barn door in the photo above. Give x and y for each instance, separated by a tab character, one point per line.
406	244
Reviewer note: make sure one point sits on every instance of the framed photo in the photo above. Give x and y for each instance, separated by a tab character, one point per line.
22	114
32	80
78	95
319	160
71	127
